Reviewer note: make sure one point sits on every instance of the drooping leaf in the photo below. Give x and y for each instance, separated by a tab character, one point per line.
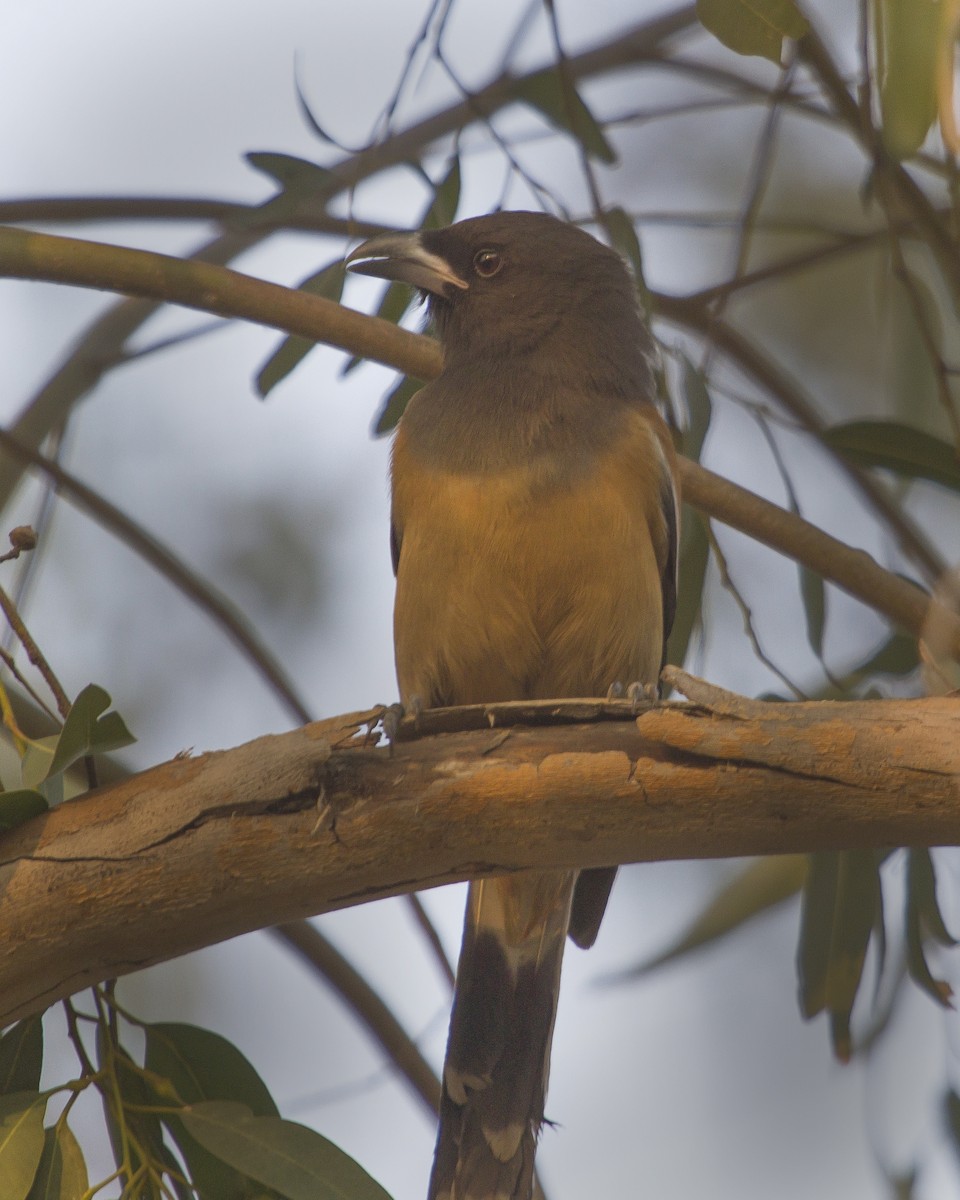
292	173
21	1056
393	404
292	1159
909	38
694	556
814	596
19	806
86	731
924	920
21	1141
758	888
897	447
556	98
446	198
696	397
328	283
842	905
201	1065
753	26
62	1174
897	656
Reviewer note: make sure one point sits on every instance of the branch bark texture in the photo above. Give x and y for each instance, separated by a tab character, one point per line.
201	849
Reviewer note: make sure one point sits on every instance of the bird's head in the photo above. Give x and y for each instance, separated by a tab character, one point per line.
507	283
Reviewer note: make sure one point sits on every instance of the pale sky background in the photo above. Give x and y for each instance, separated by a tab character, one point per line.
702	1081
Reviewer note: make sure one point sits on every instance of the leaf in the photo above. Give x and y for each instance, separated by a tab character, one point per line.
924	919
814	596
292	173
85	731
553	95
897	656
694	556
897	447
19	806
62	1174
909	35
759	887
201	1065
394	403
296	1161
21	1056
446	198
699	408
328	283
842	904
753	26
21	1141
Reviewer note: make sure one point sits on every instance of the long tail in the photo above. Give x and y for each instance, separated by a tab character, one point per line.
498	1053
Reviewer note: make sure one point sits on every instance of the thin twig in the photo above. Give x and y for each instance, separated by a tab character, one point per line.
152	551
34	653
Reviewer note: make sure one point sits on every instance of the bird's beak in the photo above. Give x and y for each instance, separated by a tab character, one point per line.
403	257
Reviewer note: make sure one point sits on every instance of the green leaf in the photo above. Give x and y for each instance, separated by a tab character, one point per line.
201	1065
62	1174
85	731
394	403
753	26
555	97
842	905
135	1096
328	283
296	1161
446	198
694	556
897	656
292	173
924	919
758	888
21	1141
21	1056
19	806
814	596
909	39
699	406
896	447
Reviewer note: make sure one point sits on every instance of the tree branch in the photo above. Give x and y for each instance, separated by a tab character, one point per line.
198	850
230	293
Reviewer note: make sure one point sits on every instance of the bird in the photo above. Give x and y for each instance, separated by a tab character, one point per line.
534	533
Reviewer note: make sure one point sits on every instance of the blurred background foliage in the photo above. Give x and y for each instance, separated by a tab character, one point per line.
783	178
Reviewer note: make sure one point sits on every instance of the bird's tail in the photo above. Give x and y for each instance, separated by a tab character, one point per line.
498	1053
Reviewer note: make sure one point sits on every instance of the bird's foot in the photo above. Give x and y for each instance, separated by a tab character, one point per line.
394	713
635	692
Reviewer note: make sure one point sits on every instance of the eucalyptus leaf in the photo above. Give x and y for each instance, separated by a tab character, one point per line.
86	731
894	446
21	1056
328	283
62	1173
21	1141
19	806
292	1159
555	97
753	26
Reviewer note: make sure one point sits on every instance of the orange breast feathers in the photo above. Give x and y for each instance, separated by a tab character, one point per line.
535	581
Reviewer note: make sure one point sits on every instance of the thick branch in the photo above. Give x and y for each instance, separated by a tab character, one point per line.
199	850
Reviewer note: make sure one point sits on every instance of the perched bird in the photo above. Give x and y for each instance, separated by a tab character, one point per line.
534	538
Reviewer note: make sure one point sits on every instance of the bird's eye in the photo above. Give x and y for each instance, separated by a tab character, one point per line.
487	263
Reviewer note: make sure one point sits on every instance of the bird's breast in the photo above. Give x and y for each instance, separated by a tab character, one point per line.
533	581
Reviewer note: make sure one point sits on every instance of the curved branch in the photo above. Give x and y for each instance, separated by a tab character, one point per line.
199	850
